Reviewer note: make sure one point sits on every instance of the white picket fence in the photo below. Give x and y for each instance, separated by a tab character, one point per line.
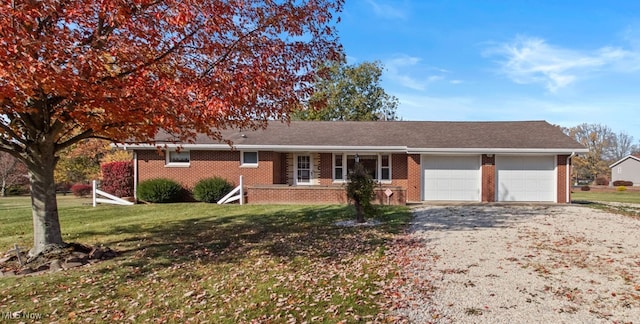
108	198
235	194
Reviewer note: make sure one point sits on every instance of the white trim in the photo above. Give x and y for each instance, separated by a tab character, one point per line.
249	165
169	164
386	181
467	151
358	149
333	168
135	175
295	170
345	169
281	148
622	160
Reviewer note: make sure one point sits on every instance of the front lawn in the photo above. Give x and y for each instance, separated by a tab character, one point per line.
198	262
607	196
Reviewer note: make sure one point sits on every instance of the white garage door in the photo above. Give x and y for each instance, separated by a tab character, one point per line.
451	178
526	178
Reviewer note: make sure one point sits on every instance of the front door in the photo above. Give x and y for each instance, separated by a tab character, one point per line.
303	169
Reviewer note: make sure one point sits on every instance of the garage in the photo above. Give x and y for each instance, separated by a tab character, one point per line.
451	178
526	178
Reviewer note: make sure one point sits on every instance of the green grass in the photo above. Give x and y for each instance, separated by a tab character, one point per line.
617	196
193	262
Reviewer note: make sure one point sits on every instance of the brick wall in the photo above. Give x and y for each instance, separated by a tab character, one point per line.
205	164
334	194
413	178
326	169
562	179
488	178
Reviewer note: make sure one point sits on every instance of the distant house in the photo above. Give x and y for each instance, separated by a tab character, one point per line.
627	169
308	162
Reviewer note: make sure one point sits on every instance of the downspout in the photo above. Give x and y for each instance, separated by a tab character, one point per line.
135	175
568	172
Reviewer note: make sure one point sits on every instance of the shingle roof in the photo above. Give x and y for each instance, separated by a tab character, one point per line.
408	134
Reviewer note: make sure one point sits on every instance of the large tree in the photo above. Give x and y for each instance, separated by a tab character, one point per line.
123	70
350	92
598	139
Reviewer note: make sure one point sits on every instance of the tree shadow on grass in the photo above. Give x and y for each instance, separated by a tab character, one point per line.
284	234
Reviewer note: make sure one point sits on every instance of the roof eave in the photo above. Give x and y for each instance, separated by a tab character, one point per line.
279	148
495	150
623	159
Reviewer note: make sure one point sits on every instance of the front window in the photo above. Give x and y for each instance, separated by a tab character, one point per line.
175	158
378	166
249	158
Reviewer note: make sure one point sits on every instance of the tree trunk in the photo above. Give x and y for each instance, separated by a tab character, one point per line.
46	224
359	211
3	190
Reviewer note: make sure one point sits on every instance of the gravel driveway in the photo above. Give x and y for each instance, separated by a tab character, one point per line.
519	264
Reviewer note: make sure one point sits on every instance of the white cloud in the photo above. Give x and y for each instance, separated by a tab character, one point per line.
530	60
610	110
387	11
401	69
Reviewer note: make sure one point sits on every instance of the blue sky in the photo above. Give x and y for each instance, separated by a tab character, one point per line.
567	62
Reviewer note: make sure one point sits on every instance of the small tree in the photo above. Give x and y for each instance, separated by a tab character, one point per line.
360	190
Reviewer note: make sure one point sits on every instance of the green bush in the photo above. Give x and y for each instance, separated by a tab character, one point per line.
211	189
159	190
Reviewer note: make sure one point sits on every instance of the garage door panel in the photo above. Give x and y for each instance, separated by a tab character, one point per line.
528	178
451	178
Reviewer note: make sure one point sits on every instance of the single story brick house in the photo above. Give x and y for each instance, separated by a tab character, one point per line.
418	161
626	169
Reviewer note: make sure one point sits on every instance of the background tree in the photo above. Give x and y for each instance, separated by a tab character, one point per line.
80	163
598	139
123	70
350	92
12	172
621	146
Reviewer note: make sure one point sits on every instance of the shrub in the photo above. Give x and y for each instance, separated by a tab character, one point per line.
17	190
625	183
117	178
211	189
360	190
81	189
585	188
159	190
621	188
602	181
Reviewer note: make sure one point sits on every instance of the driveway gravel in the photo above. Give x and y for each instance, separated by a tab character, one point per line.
519	264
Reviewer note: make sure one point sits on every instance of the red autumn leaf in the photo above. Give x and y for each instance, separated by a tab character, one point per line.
124	70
